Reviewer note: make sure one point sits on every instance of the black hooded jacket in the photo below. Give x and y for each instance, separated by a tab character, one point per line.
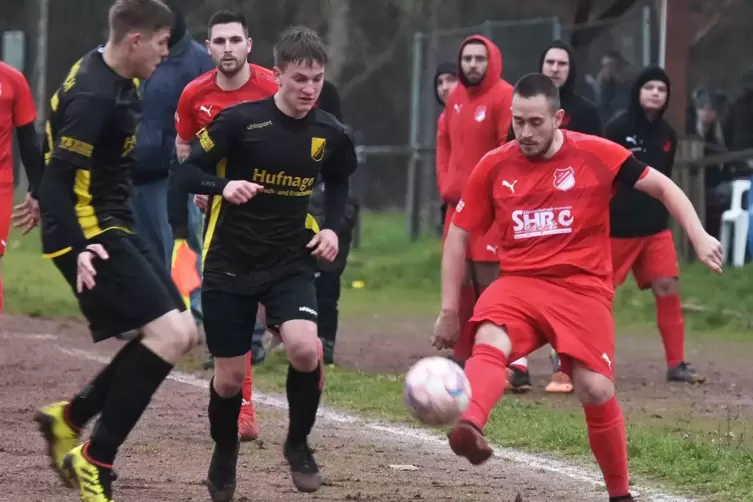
443	68
634	213
580	114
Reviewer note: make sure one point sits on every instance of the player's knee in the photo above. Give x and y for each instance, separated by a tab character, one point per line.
665	286
228	375
490	334
303	347
591	387
171	336
187	334
304	356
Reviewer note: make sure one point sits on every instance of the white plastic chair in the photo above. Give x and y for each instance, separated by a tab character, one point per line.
736	218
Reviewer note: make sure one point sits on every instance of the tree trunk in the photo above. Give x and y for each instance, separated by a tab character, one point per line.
338	21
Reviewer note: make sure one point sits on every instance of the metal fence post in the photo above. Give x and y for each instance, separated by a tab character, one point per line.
556	28
487	29
646	32
413	192
361	156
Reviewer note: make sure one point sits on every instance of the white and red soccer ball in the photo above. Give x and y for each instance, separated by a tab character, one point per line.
436	391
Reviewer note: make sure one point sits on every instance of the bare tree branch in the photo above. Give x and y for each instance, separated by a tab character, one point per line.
713	21
374	63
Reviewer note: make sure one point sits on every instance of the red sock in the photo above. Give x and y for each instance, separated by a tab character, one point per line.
246	388
487	374
608	438
671	325
464	346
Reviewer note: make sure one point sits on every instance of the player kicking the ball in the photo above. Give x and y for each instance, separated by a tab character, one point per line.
555	251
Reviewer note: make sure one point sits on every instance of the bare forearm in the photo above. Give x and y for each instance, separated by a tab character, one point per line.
682	210
453	267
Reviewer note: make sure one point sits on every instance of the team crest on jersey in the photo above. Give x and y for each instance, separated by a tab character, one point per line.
317	148
480	113
564	179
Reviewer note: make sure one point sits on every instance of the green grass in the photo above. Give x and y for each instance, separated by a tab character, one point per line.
401	280
713	466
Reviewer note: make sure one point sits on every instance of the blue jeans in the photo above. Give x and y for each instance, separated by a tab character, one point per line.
149	202
195	242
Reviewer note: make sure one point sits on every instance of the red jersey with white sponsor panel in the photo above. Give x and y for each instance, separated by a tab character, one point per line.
202	99
16	110
552	214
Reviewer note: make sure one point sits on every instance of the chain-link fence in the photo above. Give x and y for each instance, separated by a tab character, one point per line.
521	43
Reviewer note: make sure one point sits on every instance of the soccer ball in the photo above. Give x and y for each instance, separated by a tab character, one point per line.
436	391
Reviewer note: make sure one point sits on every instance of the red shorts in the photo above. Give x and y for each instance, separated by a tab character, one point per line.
649	258
480	247
536	312
6	208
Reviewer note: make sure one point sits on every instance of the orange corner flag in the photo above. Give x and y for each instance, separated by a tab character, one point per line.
183	271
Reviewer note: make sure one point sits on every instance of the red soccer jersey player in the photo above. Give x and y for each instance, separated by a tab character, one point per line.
233	81
17	111
203	98
549	193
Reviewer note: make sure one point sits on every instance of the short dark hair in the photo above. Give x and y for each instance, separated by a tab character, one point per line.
226	17
300	45
138	15
538	84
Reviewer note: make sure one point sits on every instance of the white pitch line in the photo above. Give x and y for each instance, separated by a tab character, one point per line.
535	462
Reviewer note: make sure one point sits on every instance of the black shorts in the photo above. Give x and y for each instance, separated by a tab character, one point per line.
230	317
131	288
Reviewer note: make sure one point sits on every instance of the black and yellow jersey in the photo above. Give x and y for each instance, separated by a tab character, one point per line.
255	141
90	137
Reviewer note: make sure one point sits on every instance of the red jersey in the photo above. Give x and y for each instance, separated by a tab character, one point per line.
202	99
16	110
552	214
477	120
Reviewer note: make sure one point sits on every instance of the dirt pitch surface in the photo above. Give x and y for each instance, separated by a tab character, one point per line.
166	456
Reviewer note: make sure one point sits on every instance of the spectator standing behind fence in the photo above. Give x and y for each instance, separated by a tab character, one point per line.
613	85
740	130
445	80
641	239
478	118
707	126
558	63
155	142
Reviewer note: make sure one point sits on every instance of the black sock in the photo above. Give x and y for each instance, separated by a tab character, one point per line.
134	382
304	391
89	402
223	417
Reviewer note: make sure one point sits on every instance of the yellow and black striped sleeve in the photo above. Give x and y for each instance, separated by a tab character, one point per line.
84	119
199	173
73	148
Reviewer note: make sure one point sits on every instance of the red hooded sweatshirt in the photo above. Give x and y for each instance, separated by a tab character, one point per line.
476	119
